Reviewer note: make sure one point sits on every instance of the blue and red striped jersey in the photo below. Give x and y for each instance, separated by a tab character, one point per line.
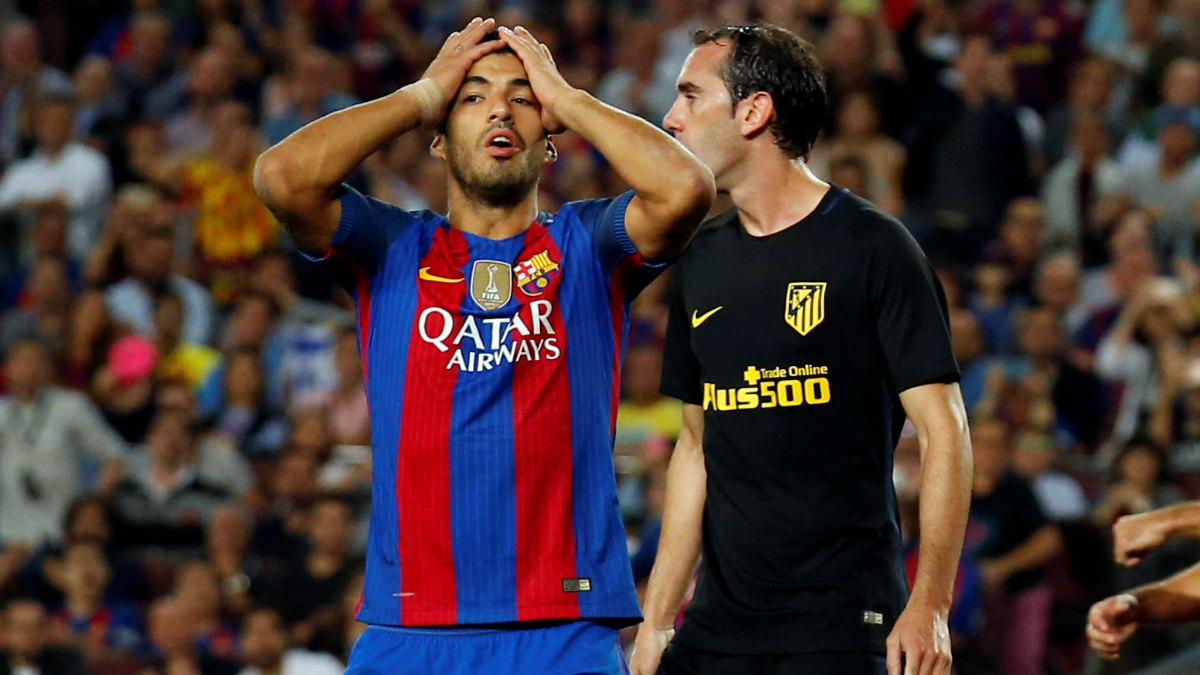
492	371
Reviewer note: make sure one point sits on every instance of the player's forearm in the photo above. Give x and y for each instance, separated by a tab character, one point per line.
319	156
1180	520
945	501
676	188
1172	600
679	544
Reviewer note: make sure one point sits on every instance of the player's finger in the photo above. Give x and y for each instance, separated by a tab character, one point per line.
484	48
893	655
913	653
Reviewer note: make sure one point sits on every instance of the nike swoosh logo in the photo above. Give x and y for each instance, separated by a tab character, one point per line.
699	319
424	274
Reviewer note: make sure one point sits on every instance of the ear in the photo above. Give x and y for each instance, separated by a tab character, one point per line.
551	152
438	147
754	113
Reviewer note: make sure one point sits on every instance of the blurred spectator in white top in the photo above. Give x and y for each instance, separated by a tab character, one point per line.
63	170
46	436
23	75
152	272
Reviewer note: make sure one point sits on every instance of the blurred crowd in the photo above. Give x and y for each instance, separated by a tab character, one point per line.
184	438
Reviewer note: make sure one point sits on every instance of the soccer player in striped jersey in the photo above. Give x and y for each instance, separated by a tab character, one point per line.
491	342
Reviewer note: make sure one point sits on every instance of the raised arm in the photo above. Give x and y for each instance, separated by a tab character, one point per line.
297	178
672	189
921	632
1113	620
1134	536
679	545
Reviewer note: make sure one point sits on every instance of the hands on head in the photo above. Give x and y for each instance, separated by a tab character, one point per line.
436	89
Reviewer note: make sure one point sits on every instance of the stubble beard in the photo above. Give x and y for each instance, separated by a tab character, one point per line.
504	184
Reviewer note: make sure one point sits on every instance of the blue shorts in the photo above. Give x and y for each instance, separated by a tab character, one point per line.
576	648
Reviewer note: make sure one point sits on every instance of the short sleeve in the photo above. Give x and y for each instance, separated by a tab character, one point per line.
911	319
681	368
604	220
365	231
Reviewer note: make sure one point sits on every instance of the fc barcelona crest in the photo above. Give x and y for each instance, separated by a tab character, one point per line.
491	284
534	275
804	308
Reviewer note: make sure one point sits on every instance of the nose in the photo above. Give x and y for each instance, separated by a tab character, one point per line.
672	121
500	110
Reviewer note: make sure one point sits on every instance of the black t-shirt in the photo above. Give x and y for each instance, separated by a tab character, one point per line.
797	345
1003	520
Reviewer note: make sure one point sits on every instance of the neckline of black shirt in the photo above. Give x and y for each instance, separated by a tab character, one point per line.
830	199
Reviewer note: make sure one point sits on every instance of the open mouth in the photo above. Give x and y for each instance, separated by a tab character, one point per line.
501	144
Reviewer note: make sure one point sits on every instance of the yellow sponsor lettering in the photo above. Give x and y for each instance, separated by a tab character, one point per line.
787	393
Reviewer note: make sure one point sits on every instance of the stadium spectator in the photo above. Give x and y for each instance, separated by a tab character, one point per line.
27	648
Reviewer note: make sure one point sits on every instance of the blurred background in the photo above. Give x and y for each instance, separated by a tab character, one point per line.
184	470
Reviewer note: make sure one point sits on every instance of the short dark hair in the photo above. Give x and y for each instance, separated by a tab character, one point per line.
767	58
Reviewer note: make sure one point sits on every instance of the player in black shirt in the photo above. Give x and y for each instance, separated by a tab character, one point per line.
805	324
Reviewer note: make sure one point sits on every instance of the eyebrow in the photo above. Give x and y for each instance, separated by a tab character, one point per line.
479	79
687	88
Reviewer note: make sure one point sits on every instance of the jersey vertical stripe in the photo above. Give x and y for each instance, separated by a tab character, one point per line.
482	500
544	467
427	593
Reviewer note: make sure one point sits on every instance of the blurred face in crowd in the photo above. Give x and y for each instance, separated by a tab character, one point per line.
48	283
234	142
150	36
26	625
93	79
972	61
168	319
273	275
1176	140
27	368
49	234
243	378
154	251
19	56
55	123
169	440
197	589
264	639
86	571
966	336
311	77
700	118
330	527
1022	228
229	531
310	433
1140	466
1091	84
297	476
493	140
252	321
211	75
1058	284
1034	455
1041	333
1181	83
858	116
90	522
989	443
170	626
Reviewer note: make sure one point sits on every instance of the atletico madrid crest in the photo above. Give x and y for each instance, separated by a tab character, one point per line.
534	275
804	308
